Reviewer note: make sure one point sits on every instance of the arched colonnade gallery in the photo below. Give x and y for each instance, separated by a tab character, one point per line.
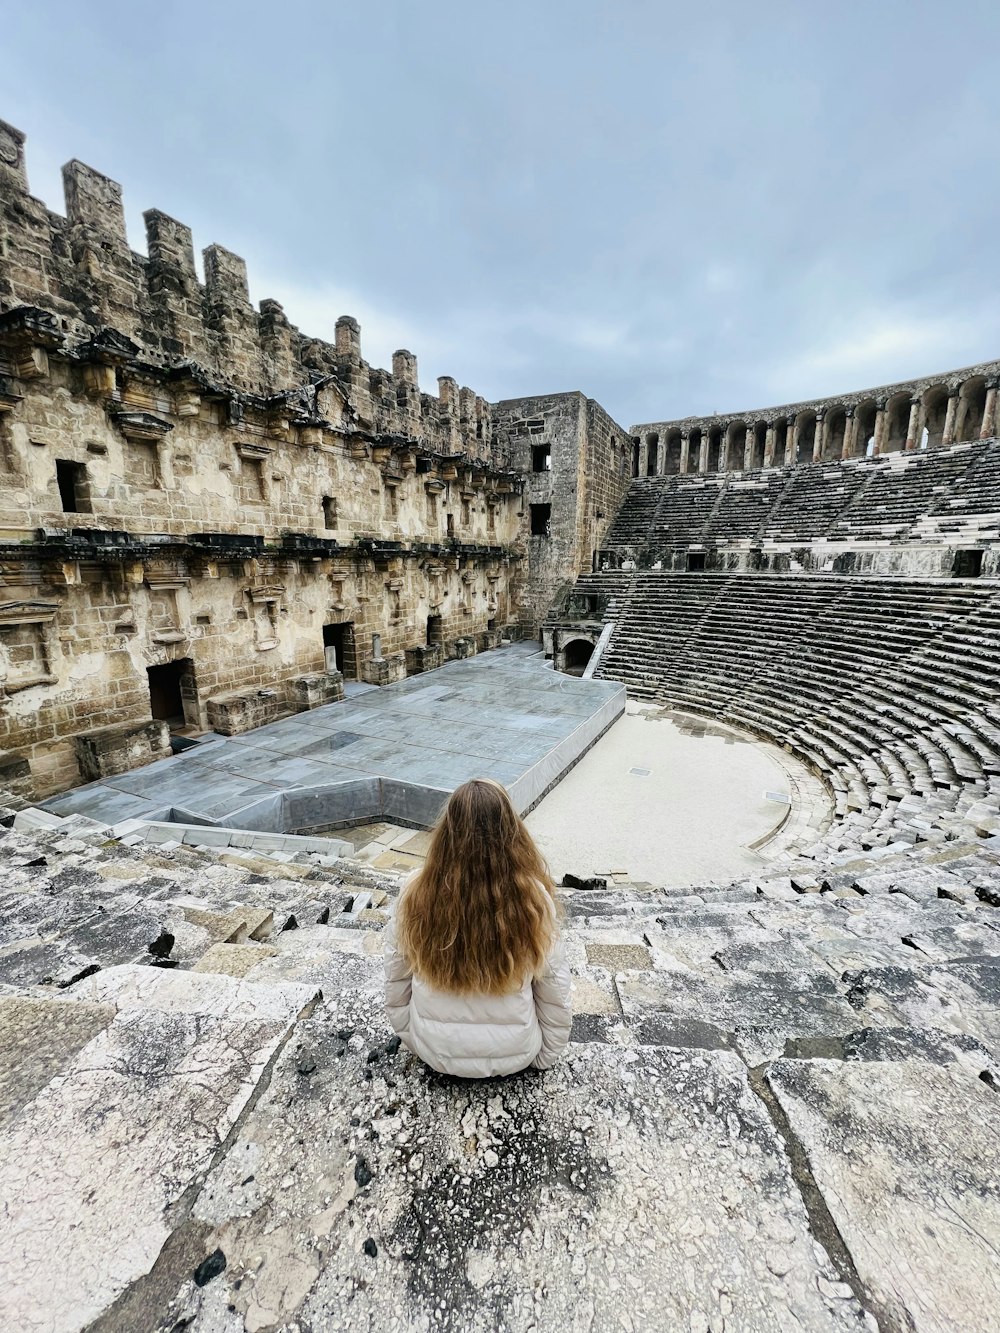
924	414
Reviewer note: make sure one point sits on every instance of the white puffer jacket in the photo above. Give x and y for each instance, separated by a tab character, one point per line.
480	1036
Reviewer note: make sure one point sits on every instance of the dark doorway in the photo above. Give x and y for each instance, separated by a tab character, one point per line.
968	564
576	655
435	634
695	562
541	517
338	645
167	687
71	478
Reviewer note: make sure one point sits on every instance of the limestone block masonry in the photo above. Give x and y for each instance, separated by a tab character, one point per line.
198	501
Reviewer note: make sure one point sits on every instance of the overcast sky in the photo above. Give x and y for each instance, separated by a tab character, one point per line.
676	207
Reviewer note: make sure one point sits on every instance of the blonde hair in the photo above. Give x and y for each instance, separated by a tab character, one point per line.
480	915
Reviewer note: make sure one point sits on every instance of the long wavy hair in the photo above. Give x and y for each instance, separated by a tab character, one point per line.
480	915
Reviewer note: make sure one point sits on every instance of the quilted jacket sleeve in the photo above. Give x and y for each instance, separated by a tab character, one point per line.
553	1009
398	984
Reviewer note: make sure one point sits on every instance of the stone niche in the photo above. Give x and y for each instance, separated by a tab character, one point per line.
111	750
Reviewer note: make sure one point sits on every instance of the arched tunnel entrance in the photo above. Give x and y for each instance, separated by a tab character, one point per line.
575	656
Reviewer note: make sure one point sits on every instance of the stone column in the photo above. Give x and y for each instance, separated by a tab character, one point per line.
769	445
913	425
748	445
948	434
703	452
879	432
791	441
988	429
818	437
685	450
850	432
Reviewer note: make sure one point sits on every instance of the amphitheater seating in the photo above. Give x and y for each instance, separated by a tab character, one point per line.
948	494
194	1048
889	688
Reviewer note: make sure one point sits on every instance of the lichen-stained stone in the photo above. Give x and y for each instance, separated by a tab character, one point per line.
91	1169
590	998
620	957
234	960
641	1189
38	1039
907	1158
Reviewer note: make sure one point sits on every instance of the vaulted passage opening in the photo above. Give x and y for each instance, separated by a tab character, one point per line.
339	649
576	655
435	632
171	687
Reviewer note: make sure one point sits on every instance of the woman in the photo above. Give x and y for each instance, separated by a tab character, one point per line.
476	978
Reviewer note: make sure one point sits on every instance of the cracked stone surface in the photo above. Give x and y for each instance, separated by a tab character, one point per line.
918	1204
777	1110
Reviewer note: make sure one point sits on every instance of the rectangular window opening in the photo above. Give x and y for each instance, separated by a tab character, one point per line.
541	520
695	562
329	513
71	478
541	457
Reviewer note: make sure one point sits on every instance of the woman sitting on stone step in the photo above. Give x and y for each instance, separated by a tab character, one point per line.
476	977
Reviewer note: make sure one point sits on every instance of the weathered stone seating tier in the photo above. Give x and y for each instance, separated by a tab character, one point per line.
941	496
889	689
771	1085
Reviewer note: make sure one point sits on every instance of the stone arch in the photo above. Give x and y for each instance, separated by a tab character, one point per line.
865	418
652	449
672	453
897	421
735	439
971	409
935	414
694	449
759	444
780	442
575	655
807	436
836	434
716	459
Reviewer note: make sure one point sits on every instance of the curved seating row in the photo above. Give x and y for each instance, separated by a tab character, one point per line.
889	689
942	495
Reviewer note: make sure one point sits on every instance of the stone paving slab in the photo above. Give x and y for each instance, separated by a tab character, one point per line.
917	1203
92	1166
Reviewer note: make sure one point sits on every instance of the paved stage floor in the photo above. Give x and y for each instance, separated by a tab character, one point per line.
504	714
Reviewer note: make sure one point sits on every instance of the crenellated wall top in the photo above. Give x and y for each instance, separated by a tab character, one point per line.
80	270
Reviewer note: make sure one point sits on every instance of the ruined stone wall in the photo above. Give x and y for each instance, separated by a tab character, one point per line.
574	460
186	480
